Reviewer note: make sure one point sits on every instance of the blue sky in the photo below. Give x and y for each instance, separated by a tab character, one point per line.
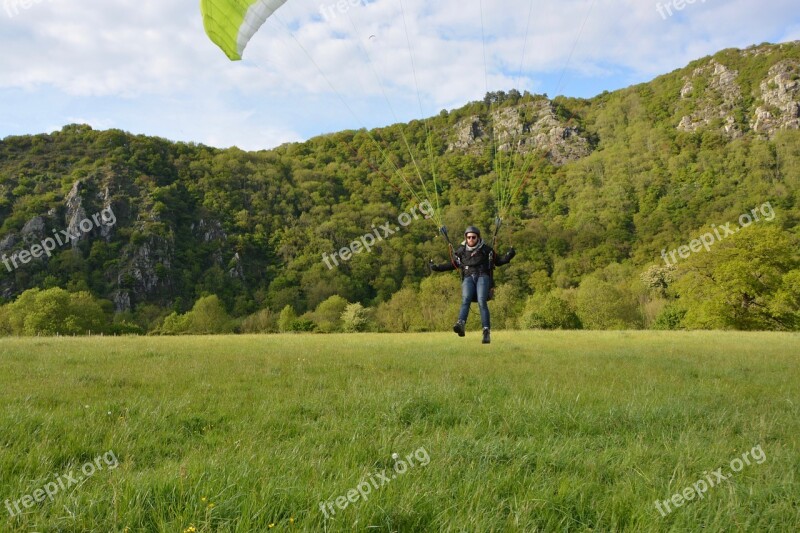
146	66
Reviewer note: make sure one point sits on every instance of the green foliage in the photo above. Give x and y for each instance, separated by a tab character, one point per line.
262	321
506	306
401	313
601	305
328	315
54	312
355	318
670	318
439	300
548	311
208	316
748	281
289	322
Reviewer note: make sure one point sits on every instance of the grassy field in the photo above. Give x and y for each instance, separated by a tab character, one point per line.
539	431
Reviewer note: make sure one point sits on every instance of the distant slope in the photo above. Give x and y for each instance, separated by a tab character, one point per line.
612	179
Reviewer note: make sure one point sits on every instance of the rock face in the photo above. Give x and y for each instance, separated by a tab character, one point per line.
523	129
719	97
106	230
143	263
33	230
714	97
75	213
122	301
236	270
8	243
210	230
780	96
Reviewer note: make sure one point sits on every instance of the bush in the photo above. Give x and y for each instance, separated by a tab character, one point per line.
328	314
55	312
262	321
289	322
355	318
286	319
548	312
208	316
670	318
601	305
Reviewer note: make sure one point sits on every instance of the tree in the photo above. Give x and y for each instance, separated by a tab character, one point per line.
748	281
287	319
439	299
207	316
175	324
548	311
327	315
262	321
601	305
401	312
507	305
56	312
355	318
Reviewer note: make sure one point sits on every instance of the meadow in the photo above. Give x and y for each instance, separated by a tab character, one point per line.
539	431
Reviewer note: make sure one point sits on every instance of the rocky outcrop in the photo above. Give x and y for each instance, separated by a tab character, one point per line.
75	213
467	133
122	301
210	230
235	269
8	243
106	230
716	96
33	231
144	264
780	99
522	129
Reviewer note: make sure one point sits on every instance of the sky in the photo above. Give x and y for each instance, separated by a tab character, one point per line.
318	66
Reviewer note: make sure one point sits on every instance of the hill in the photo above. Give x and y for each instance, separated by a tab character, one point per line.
617	197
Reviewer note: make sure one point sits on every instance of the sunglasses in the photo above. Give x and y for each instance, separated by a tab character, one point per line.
472	236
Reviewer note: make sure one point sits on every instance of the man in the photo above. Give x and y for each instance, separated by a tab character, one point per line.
476	260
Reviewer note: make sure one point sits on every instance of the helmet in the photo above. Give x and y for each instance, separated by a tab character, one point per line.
472	229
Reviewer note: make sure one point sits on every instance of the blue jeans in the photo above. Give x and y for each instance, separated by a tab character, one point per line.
471	285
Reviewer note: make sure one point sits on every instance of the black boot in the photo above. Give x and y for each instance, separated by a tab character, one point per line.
486	339
459	328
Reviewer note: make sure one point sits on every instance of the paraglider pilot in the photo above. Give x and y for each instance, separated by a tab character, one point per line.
477	260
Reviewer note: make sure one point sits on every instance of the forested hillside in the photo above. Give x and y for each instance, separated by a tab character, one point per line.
670	204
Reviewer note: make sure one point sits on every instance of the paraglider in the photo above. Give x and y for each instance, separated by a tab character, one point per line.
476	261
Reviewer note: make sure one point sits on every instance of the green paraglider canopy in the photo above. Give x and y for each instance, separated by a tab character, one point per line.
232	23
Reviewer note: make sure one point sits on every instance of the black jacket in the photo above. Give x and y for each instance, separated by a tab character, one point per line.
479	260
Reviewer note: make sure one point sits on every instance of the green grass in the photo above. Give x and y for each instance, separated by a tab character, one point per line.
539	431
